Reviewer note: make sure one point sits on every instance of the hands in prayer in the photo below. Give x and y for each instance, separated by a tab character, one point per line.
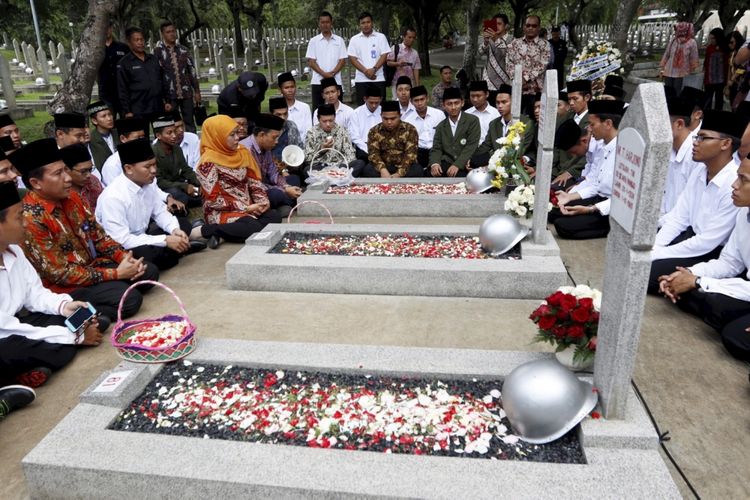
677	283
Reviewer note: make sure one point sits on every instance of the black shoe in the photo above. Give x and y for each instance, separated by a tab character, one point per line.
214	242
197	223
196	246
13	397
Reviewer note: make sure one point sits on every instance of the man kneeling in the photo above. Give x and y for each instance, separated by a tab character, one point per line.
392	146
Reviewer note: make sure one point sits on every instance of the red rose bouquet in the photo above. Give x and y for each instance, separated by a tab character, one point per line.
570	317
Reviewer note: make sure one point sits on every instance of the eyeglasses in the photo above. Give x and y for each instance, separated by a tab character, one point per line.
701	138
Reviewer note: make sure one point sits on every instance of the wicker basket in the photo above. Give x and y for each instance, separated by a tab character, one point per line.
141	354
310	202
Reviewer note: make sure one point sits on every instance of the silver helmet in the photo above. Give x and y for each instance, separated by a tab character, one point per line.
479	180
543	400
499	233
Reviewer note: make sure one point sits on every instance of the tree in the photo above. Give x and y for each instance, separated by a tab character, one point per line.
626	11
472	38
76	90
521	8
575	15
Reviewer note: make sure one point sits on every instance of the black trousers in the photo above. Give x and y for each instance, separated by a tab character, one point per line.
444	166
664	267
423	157
241	229
106	296
181	196
19	354
359	89
187	109
480	160
727	315
415	170
580	227
714	93
278	197
361	155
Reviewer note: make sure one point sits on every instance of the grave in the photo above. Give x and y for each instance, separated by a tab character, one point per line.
406	197
83	458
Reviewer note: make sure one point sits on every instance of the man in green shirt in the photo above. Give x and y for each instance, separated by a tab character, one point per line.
104	136
173	175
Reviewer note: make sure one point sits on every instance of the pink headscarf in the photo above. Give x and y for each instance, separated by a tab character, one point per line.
684	31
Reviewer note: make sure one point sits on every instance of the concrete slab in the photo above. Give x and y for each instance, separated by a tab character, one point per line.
80	458
537	274
401	205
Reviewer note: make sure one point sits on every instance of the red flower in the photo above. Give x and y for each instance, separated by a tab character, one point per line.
553	197
596	414
580	314
592	344
575	332
547	322
555	299
586	302
559	332
270	380
568	302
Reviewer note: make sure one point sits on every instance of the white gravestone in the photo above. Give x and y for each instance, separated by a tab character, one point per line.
9	93
631	237
517	97
544	156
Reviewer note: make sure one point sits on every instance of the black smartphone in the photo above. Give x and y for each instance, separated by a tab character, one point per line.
75	321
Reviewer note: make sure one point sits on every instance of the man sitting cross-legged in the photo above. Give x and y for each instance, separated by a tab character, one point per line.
718	291
329	134
703	217
66	245
456	138
425	119
173	174
34	341
128	204
392	146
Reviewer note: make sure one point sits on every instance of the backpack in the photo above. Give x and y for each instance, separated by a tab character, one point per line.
390	71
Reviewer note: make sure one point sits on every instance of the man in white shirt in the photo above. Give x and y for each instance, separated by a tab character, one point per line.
402	94
681	163
583	211
363	119
425	119
126	207
700	223
716	291
367	52
326	56
331	92
34	340
299	112
478	94
190	143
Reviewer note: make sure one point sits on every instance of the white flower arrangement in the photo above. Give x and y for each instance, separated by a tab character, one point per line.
583	292
505	162
520	202
595	61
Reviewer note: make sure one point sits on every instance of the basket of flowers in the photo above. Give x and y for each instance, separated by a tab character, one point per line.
506	163
154	340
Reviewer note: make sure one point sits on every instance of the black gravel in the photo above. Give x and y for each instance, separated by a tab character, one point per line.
567	449
513	254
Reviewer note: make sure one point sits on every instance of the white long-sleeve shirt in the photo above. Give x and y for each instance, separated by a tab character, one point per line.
113	169
21	287
426	126
706	207
124	210
299	113
720	275
191	149
485	117
360	123
598	182
343	116
681	165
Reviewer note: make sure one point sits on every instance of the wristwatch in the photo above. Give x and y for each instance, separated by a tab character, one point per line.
698	283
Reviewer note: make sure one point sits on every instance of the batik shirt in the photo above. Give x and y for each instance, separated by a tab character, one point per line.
533	56
495	71
397	147
271	177
342	142
437	93
178	71
228	192
66	245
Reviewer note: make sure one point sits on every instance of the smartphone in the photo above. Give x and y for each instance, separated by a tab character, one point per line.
490	24
75	321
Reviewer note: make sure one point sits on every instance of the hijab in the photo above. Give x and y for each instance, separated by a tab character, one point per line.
214	149
683	31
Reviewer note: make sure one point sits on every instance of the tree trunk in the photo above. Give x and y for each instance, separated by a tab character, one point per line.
75	93
626	11
472	39
197	24
239	43
729	14
386	12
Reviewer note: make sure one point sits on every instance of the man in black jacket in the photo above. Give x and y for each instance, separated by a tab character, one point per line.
139	80
113	52
246	93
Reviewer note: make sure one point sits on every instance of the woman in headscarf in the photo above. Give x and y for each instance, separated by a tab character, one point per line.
235	203
715	67
681	57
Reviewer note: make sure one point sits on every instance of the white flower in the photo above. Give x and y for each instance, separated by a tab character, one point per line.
521	211
516	141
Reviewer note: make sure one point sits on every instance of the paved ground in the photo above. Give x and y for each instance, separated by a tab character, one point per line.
693	388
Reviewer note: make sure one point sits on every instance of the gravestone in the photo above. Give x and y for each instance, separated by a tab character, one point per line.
299	56
643	148
6	43
43	64
33	63
283	55
222	65
17	50
544	156
9	94
196	60
25	53
269	64
234	54
61	49
52	50
64	65
515	103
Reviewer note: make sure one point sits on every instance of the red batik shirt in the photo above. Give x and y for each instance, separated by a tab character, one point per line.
66	245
